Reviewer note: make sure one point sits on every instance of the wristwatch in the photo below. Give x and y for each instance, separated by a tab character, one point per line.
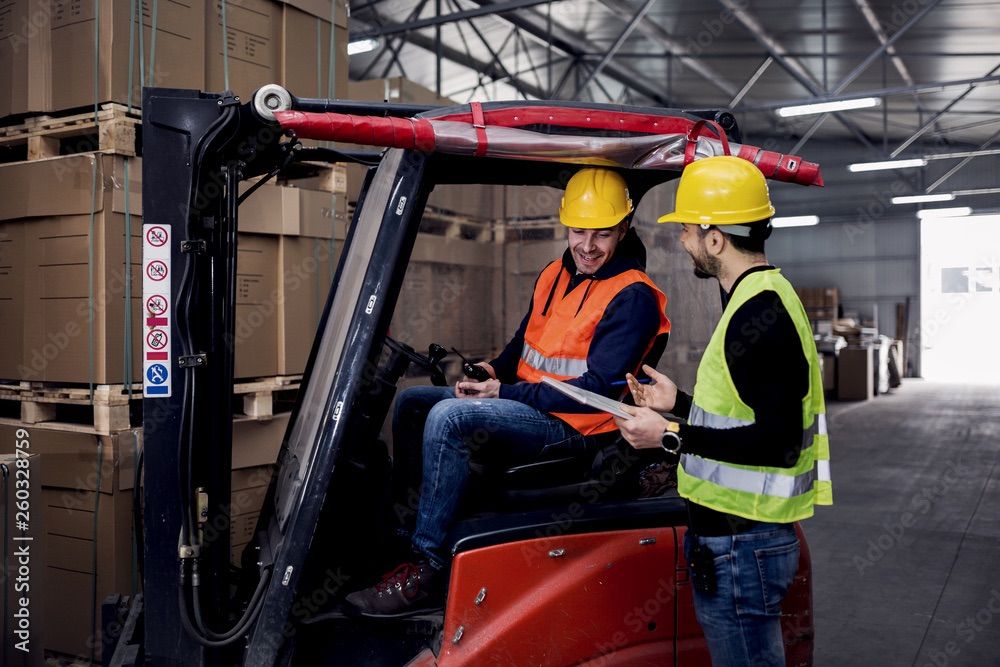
671	439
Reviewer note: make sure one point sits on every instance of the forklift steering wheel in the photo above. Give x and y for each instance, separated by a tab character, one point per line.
430	362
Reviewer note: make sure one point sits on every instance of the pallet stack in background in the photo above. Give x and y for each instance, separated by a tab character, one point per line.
70	258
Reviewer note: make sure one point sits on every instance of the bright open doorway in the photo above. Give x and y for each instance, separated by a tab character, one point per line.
960	298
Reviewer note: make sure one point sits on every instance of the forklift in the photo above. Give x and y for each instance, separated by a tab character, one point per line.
561	563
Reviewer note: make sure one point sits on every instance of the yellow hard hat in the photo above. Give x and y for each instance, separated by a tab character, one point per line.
721	190
595	199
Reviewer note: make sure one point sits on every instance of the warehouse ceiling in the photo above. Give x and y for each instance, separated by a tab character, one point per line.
933	64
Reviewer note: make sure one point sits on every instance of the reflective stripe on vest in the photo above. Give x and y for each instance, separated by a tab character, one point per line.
762	493
751	481
553	365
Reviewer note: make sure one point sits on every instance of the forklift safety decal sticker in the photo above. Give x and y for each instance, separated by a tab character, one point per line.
157	313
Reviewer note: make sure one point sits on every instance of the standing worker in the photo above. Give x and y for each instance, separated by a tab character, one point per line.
754	454
594	315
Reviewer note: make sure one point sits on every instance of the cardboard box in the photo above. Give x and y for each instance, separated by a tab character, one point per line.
256	443
258	305
46	232
11	297
71	214
23	582
273	42
70	458
249	490
450	295
307	267
294	211
81	548
828	368
66	500
855	374
179	55
25	54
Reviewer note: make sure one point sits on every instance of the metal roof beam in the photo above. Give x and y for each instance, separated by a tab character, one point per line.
791	65
493	8
951	172
606	58
877	92
654	32
566	41
494	71
933	119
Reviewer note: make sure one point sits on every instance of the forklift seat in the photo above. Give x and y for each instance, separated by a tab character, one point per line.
605	467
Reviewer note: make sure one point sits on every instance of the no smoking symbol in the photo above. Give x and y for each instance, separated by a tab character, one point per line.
156	339
156	305
156	270
156	236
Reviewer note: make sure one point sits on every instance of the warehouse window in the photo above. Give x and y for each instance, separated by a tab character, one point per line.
955	280
984	279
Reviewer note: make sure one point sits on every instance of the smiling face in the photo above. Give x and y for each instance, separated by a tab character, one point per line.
592	248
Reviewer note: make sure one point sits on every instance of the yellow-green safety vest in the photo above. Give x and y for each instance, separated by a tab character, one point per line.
761	493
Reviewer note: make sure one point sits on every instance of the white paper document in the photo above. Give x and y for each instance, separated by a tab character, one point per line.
585	397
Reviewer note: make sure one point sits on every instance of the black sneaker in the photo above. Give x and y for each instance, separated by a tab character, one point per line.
411	588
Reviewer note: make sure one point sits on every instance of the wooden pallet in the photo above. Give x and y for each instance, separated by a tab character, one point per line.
105	411
113	129
258	395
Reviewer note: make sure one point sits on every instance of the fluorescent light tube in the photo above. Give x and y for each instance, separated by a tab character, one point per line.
922	199
888	164
362	46
828	107
795	221
956	212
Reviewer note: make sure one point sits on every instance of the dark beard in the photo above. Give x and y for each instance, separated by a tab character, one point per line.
706	268
699	273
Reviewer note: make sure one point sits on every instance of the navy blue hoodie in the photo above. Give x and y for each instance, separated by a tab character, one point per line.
622	336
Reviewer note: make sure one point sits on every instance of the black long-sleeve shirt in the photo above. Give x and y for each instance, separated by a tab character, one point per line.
771	374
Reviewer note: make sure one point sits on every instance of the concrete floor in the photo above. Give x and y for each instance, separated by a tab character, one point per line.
906	563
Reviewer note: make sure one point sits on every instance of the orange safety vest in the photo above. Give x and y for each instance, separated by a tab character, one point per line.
557	339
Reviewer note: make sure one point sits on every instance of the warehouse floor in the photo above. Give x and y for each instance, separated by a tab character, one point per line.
907	562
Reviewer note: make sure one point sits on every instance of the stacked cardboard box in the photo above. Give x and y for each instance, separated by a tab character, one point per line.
63	225
451	295
820	302
48	49
22	573
81	473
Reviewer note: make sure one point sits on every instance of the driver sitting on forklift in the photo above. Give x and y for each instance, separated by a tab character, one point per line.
594	316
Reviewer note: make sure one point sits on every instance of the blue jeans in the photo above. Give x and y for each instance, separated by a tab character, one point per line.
742	619
456	433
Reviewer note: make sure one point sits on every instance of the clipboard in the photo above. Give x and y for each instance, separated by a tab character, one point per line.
585	397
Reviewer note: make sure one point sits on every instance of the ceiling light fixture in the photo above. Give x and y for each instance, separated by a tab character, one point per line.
362	46
828	107
922	199
956	212
795	221
887	164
